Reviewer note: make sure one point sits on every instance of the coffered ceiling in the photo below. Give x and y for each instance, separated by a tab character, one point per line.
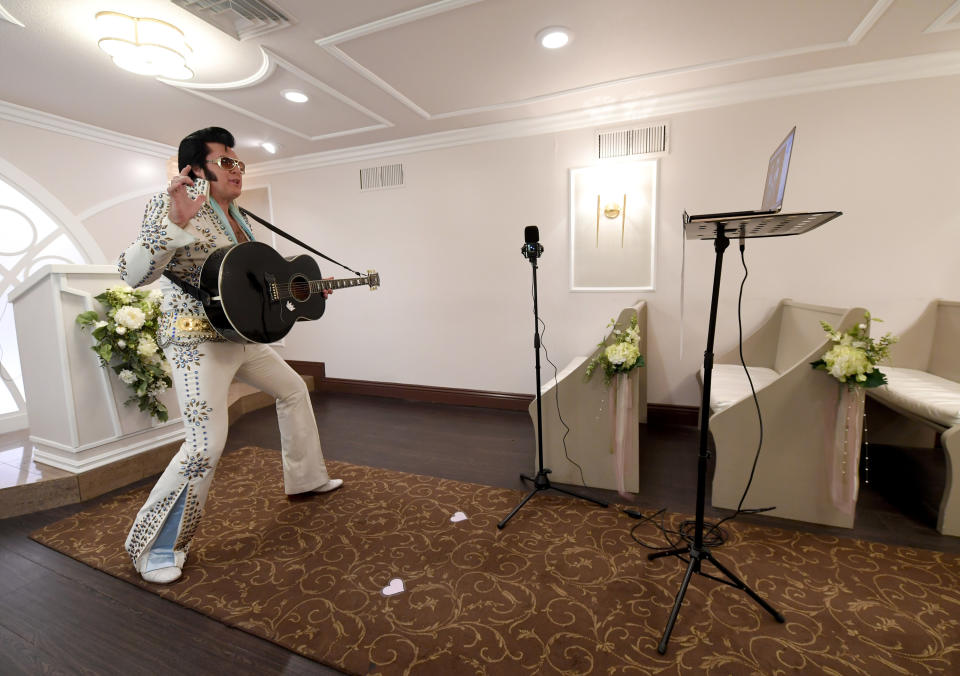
384	74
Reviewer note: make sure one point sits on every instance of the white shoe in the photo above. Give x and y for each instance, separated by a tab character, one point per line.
331	485
162	575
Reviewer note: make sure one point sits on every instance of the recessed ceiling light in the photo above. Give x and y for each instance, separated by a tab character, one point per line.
554	37
269	147
295	96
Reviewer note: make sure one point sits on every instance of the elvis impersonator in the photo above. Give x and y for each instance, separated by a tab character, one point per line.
181	227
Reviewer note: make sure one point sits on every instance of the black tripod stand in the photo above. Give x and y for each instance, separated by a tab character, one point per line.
531	250
697	551
717	229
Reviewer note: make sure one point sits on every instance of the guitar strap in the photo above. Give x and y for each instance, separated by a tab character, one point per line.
188	288
204	297
294	239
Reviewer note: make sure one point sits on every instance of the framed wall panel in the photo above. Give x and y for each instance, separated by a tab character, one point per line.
613	226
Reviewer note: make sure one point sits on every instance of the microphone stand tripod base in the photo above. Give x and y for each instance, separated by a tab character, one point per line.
542	483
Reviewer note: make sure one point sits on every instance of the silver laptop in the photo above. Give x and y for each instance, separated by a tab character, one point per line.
773	188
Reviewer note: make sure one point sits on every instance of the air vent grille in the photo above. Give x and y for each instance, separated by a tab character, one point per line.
241	19
631	142
377	178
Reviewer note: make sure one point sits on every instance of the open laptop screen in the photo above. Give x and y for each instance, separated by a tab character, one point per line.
777	175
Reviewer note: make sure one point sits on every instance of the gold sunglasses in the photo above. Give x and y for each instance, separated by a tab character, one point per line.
229	163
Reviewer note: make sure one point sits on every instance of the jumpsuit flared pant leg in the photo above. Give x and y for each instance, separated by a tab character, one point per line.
202	373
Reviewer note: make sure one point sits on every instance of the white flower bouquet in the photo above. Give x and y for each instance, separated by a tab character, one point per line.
127	343
855	356
620	356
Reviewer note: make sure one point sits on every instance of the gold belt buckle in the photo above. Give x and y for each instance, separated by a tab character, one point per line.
188	323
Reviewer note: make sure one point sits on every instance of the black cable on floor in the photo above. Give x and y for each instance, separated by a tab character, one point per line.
714	535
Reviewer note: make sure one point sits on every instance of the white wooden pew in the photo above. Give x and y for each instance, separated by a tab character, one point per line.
798	405
923	386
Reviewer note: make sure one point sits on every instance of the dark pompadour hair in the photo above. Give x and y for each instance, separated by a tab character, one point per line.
193	149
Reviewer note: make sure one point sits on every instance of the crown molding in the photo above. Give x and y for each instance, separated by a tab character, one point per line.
62	125
877	72
114	201
270	63
267	66
939	64
943	22
7	16
329	44
408	16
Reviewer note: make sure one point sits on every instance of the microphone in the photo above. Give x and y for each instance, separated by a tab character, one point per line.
532	247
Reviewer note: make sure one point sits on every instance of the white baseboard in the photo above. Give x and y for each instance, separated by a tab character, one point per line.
78	460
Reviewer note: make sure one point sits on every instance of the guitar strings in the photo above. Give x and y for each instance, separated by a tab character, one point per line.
306	285
302	290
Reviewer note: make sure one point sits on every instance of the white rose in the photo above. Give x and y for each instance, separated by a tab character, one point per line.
121	343
120	330
130	317
155	295
147	346
128	376
100	324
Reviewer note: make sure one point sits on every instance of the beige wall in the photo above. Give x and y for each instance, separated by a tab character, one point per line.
455	307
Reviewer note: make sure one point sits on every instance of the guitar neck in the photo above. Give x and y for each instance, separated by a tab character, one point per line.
302	289
319	285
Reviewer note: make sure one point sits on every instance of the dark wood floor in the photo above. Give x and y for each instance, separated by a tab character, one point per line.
59	616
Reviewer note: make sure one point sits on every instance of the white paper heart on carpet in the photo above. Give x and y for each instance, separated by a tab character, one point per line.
395	587
458	516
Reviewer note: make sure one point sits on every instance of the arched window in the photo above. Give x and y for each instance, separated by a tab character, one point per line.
30	237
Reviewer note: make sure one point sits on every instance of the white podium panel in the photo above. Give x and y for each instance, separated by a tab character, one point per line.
76	411
586	433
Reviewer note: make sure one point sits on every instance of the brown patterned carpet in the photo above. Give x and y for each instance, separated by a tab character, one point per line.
563	589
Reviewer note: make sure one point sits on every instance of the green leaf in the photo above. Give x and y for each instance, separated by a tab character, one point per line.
819	364
104	350
874	379
88	317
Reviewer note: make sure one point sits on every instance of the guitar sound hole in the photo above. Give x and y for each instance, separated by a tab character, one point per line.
299	288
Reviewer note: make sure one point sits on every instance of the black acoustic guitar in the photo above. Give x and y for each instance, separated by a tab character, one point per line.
257	295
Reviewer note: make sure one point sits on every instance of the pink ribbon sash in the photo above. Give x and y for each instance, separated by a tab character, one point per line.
843	459
621	396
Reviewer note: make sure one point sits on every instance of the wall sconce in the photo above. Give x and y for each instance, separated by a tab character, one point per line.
611	210
144	46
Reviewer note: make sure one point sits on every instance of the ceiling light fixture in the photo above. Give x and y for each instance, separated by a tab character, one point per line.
554	37
295	96
269	147
144	46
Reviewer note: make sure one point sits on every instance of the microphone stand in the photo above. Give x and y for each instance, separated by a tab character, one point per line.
532	251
